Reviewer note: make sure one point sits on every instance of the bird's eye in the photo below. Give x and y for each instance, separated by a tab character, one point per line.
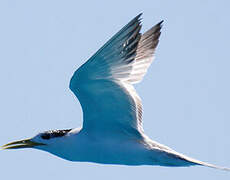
45	136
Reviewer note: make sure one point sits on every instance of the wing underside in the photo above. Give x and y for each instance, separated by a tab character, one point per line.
103	84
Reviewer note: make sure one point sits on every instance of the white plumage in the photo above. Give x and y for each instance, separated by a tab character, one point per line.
112	131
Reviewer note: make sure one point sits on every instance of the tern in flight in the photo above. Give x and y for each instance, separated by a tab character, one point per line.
112	131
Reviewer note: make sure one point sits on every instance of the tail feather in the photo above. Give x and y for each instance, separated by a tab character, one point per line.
201	163
207	164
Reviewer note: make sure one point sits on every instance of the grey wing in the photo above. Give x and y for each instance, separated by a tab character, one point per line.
103	84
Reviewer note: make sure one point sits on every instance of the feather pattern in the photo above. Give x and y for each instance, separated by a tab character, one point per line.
103	84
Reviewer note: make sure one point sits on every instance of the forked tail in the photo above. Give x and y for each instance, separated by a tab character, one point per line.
207	164
197	162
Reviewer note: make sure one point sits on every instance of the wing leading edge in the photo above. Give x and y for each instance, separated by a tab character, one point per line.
103	84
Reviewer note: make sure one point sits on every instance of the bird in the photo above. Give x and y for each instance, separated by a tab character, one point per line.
112	130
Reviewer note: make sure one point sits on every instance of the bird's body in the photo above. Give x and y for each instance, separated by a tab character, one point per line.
120	148
112	131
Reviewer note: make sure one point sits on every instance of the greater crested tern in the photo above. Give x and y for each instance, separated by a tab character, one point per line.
112	131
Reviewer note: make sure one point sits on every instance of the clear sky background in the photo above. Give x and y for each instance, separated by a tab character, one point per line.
185	92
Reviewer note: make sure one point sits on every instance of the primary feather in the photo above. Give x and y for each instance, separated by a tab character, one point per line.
107	78
112	130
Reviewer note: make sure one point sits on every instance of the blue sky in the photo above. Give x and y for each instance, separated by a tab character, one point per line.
185	93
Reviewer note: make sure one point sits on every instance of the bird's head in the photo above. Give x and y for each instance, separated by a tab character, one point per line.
40	141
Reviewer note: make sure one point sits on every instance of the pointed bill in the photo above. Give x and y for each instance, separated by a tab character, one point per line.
26	143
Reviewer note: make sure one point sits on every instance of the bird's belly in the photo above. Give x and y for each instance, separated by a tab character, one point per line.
123	151
109	152
127	154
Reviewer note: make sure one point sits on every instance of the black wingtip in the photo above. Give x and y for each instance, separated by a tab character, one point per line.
160	23
139	15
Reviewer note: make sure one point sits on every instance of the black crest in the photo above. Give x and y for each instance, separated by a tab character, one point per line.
54	133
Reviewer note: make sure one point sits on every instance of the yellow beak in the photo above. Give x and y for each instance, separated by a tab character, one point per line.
26	143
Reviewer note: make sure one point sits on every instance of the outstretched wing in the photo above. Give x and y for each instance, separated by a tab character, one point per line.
103	84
